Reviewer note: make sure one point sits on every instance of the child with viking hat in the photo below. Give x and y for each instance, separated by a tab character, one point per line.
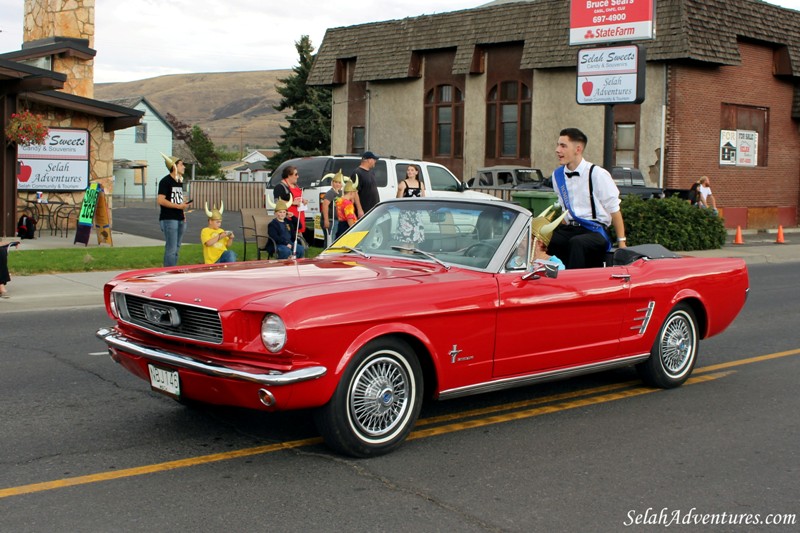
172	216
542	228
282	237
216	240
346	208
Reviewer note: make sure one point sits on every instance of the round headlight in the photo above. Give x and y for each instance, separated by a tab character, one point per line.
273	333
112	303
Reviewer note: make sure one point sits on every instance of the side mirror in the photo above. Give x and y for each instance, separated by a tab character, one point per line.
548	268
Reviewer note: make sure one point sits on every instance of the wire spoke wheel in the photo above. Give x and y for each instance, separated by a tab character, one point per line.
379	397
677	344
674	351
377	401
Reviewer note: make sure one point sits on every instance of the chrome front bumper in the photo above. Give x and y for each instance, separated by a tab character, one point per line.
117	341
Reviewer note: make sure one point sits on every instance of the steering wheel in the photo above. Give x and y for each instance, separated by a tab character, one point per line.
479	249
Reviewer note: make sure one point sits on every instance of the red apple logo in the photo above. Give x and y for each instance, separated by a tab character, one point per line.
587	87
24	172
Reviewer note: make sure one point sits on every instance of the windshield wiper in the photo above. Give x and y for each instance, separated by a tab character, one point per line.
350	249
421	252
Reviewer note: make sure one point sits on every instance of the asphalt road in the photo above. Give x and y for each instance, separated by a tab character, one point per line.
141	218
85	446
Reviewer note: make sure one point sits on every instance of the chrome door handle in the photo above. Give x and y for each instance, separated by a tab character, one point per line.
623	277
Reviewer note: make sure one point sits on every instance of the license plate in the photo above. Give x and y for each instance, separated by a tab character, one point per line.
166	381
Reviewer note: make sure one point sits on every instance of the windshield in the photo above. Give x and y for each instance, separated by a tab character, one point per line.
529	175
455	233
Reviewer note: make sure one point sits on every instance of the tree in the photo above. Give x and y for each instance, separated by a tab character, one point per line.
183	131
203	149
309	129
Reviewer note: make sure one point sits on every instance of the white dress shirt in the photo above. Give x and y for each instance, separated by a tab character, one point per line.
606	193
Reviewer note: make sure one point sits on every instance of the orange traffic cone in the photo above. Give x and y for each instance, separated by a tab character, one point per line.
738	239
779	240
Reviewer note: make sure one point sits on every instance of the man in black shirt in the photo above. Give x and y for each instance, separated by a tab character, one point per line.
367	196
172	216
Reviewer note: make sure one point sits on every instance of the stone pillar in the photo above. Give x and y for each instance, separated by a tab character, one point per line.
64	18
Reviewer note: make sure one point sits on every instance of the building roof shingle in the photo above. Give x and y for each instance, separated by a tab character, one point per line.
697	30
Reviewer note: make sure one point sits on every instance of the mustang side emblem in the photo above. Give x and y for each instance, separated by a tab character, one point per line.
454	353
161	316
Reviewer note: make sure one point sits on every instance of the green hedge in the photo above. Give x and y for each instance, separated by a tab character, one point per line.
671	222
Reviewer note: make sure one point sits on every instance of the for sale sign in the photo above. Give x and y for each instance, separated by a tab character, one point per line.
738	147
601	21
611	75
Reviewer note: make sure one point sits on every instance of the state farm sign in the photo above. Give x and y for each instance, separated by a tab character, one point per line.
611	75
599	21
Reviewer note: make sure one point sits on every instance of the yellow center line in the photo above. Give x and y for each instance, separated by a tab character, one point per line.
563	401
159	467
525	403
548	409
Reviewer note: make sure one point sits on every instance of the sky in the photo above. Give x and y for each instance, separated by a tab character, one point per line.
138	39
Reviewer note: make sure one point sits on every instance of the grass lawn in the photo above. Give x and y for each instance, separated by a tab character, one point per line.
30	262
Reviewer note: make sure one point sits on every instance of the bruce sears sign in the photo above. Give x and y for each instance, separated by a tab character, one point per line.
611	75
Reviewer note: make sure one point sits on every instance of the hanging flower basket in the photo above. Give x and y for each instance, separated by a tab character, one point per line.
25	129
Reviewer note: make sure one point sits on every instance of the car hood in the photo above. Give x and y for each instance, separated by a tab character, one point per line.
234	285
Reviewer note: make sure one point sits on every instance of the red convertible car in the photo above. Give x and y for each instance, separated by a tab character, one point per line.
434	298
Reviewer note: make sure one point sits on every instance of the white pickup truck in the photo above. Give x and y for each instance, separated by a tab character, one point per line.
389	171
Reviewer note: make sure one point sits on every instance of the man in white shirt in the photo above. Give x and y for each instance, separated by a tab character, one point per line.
582	239
706	197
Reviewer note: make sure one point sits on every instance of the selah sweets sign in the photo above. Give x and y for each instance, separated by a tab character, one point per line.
61	163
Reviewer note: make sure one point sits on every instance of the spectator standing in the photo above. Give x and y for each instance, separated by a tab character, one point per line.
216	240
5	277
411	186
329	203
367	195
410	227
172	216
591	198
282	235
346	209
289	191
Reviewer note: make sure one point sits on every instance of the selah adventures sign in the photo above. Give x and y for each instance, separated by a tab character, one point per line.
61	163
611	75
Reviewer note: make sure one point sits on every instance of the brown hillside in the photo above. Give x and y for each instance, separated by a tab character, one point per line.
234	108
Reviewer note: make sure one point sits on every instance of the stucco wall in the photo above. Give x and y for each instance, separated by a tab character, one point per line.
474	125
339	120
555	108
395	112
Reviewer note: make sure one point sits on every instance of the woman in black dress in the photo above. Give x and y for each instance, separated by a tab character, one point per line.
411	187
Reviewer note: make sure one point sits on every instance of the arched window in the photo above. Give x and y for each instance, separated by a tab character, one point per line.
508	121
444	122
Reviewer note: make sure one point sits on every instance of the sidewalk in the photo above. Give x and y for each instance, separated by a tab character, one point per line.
66	290
82	289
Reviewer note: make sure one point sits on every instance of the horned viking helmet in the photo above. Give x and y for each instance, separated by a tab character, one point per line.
543	226
170	161
215	214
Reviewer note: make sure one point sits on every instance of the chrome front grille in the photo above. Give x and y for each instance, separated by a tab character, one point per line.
176	320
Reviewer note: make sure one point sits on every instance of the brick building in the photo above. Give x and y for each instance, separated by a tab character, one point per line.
495	84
